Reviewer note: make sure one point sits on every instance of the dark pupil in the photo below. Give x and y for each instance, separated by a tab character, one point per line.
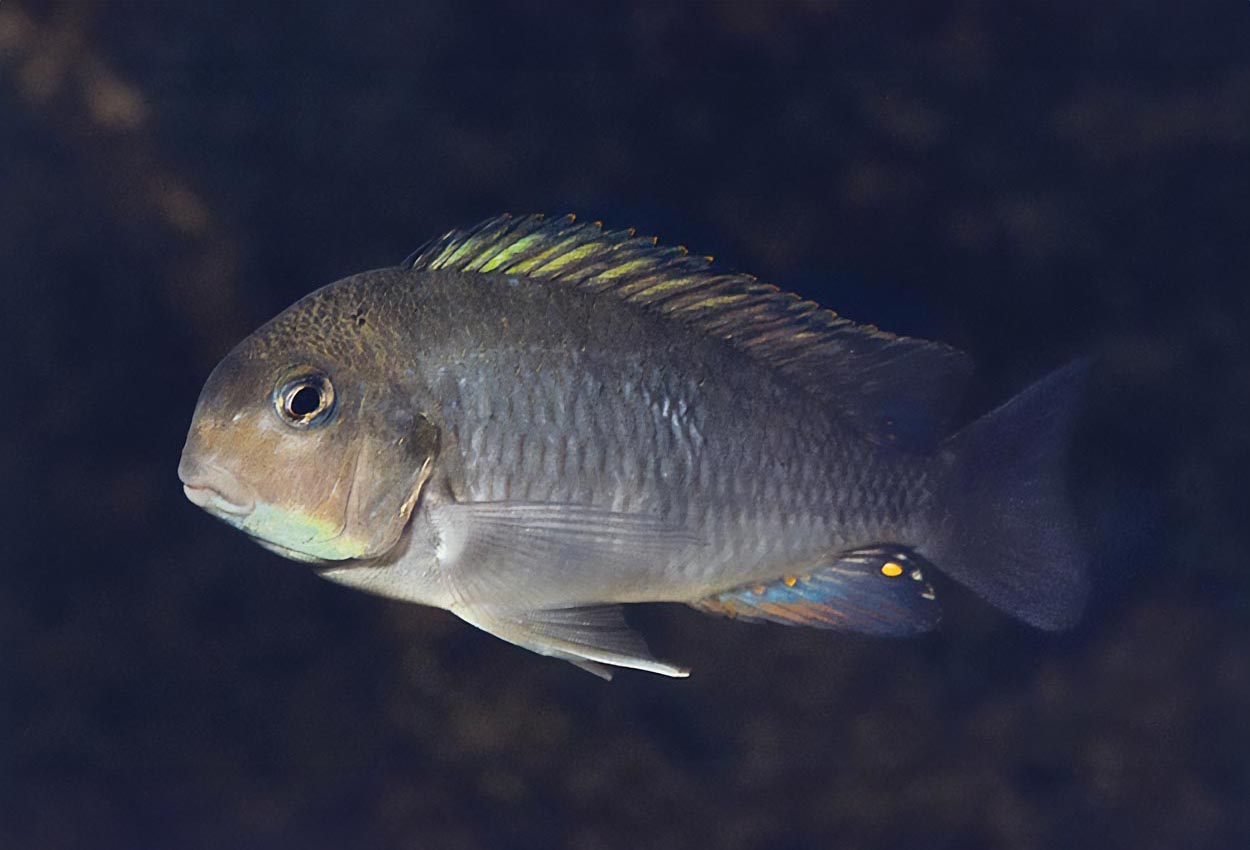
305	402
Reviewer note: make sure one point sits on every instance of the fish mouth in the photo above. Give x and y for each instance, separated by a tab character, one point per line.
214	489
213	501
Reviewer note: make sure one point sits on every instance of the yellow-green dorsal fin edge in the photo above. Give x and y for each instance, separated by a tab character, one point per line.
900	388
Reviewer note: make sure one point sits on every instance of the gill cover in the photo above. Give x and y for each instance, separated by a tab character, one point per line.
391	471
356	491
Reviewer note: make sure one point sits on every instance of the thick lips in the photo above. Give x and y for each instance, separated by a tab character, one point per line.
214	489
210	500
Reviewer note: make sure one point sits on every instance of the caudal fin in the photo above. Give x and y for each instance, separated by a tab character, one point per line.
1007	530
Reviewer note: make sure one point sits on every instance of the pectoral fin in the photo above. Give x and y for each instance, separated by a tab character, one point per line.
595	638
538	555
879	590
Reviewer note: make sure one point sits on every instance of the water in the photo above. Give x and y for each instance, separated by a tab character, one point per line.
1029	184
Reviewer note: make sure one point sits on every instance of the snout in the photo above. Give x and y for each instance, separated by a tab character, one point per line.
214	489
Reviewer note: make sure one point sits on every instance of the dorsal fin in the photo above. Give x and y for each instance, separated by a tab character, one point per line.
896	388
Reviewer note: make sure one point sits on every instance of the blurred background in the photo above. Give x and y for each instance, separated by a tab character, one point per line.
1029	181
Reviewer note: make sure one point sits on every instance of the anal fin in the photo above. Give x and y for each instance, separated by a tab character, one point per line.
878	590
595	638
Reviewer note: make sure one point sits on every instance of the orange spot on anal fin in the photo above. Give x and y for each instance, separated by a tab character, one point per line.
846	591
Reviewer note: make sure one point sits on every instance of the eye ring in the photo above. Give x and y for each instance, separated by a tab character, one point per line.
305	401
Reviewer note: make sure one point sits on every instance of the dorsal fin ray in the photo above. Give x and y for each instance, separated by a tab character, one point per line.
896	388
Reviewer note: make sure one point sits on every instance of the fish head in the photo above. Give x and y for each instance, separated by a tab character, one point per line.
302	440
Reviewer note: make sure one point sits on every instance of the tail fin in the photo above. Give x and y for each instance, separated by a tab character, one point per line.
1007	531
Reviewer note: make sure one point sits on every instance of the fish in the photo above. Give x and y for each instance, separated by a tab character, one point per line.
535	422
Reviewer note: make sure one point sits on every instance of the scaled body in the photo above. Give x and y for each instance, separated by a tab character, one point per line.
533	421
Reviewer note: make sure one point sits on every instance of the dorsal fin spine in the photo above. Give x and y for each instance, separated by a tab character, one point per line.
507	239
569	255
491	252
508	253
625	269
657	289
473	243
531	265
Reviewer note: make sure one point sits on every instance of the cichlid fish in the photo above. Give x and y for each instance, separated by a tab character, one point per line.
533	421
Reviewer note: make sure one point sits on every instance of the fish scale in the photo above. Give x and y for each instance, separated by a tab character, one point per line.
753	492
534	420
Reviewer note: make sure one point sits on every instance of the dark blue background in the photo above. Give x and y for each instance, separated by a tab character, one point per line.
1029	181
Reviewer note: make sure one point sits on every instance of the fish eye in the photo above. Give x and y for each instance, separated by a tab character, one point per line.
305	400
